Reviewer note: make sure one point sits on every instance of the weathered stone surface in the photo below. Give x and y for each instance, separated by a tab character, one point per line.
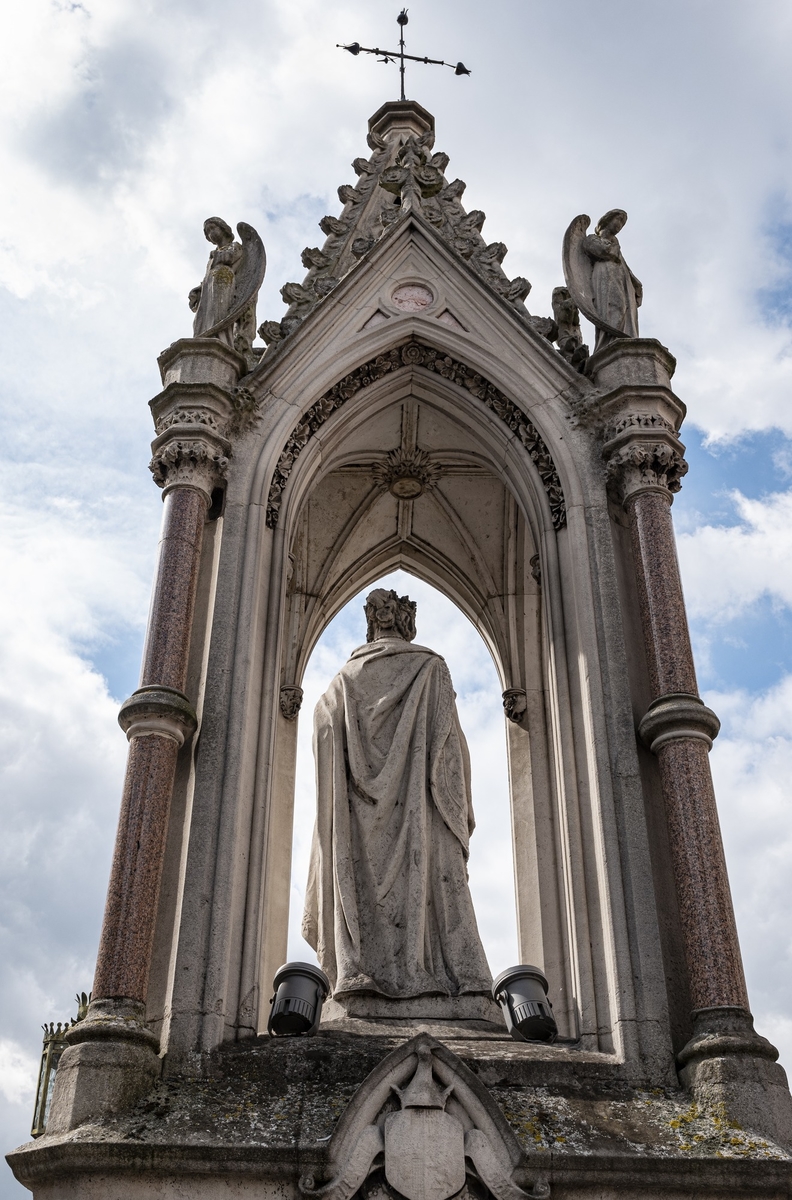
262	1115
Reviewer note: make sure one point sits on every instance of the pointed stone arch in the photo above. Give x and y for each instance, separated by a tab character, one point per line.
482	530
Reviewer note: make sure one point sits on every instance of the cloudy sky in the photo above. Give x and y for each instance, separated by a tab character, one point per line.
124	124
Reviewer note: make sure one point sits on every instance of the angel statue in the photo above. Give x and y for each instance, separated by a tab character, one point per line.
225	302
600	283
388	907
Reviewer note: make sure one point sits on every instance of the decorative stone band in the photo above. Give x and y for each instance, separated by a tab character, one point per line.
515	702
415	354
291	698
116	1020
675	716
724	1031
159	711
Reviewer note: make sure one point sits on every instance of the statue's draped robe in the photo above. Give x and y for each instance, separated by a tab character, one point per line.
388	908
217	291
617	292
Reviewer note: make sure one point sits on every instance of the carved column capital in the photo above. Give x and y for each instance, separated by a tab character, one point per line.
640	417
191	448
639	463
199	412
188	462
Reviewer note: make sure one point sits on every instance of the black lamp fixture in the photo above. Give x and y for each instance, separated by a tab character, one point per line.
296	1007
522	994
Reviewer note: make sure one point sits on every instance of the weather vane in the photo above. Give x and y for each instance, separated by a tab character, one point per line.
392	56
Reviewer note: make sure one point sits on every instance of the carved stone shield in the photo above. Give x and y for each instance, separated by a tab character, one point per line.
424	1153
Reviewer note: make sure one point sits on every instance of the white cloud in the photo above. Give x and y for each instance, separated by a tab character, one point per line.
752	766
18	1072
727	568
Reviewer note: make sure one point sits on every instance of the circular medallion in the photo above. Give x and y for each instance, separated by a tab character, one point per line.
406	488
412	297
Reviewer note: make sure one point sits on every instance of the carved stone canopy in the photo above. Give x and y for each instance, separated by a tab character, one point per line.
415	354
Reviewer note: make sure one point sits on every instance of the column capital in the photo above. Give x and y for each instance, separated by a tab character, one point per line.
638	460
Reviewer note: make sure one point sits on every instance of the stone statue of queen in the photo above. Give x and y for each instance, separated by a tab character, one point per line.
388	908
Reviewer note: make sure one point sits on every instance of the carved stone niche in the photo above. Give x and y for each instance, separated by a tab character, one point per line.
423	1127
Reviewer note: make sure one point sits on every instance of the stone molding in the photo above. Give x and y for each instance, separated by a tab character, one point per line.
721	1031
416	354
630	361
113	1020
201	361
159	711
676	716
291	698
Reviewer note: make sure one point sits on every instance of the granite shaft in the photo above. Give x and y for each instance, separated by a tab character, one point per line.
124	959
709	930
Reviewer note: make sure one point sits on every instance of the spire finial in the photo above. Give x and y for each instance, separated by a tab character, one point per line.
392	56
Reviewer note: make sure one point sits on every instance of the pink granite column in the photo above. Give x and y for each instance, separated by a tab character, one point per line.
157	718
679	729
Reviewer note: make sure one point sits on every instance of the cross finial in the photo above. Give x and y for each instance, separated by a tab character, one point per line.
392	56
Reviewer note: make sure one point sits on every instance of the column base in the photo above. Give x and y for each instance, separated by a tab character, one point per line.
729	1067
112	1062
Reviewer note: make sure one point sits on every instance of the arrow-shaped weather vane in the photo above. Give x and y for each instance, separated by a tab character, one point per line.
392	56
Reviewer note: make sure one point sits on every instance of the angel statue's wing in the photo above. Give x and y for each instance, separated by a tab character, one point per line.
248	278
578	272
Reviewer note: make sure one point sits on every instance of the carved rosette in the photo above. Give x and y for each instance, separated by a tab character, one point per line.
642	453
407	473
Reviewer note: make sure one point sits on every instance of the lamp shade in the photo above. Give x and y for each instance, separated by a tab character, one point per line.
300	990
522	994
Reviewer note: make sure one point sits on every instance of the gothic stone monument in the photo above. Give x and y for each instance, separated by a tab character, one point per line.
409	411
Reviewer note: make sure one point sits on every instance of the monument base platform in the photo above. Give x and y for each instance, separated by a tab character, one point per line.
261	1118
